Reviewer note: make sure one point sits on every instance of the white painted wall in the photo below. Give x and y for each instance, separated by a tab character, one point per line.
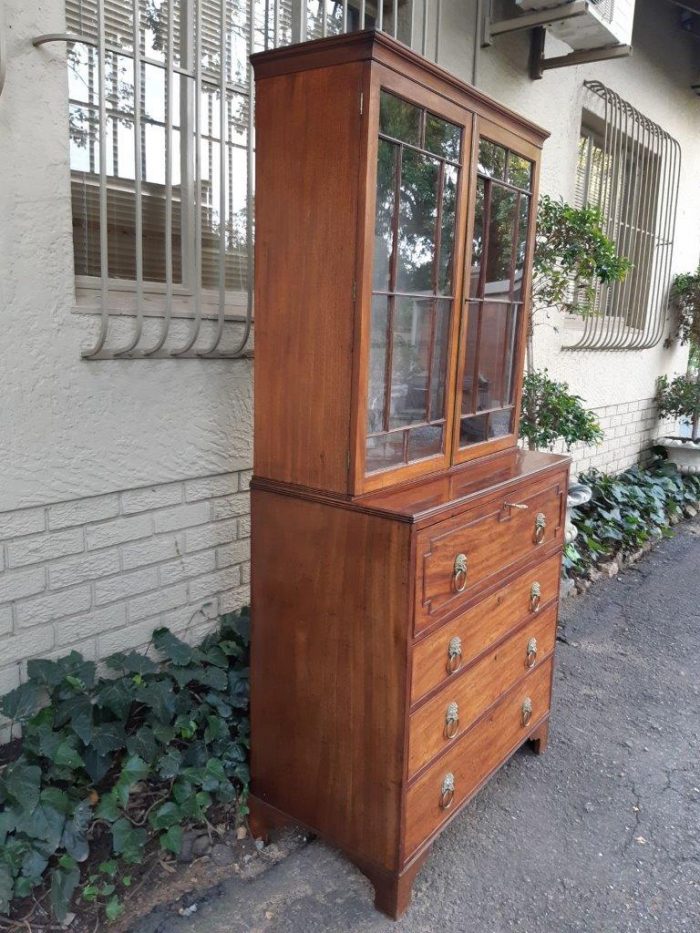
70	428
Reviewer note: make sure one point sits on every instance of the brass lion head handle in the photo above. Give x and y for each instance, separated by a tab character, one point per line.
526	711
454	654
535	597
451	720
447	791
459	577
540	525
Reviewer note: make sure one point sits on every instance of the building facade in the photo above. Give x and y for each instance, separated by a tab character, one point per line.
124	502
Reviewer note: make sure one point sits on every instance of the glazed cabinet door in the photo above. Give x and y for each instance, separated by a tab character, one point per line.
419	146
496	292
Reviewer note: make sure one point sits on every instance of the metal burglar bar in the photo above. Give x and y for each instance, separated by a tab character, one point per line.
162	157
629	167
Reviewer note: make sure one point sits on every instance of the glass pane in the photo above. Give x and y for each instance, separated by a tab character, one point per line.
519	171
410	354
443	138
386	198
377	365
468	388
500	423
384	451
447	229
399	119
425	441
477	238
521	247
417	221
473	430
492	159
495	356
439	368
500	242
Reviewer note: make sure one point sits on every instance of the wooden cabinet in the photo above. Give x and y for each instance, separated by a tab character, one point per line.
405	552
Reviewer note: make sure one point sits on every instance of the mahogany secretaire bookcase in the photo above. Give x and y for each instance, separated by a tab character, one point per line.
405	552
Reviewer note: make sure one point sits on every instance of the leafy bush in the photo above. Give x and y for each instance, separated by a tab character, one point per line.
551	413
626	511
129	757
680	398
685	306
572	256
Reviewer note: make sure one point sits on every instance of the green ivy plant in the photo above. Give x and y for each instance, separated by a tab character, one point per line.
680	398
134	756
625	511
551	413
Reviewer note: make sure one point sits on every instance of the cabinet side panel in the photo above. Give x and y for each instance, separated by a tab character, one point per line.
307	172
329	669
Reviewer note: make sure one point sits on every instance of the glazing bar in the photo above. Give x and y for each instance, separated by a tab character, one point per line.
104	232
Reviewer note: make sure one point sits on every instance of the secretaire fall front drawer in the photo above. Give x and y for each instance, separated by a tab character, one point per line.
458	556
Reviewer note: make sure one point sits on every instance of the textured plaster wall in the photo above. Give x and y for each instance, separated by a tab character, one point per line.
70	429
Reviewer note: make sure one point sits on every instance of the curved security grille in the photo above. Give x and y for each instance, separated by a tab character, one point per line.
162	158
629	167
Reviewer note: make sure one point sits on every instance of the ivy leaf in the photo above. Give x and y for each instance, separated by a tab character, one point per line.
74	839
159	696
165	816
44	823
66	755
108	738
96	765
108	808
175	650
21	782
33	866
64	880
132	662
169	764
142	744
113	908
128	841
21	703
134	770
116	697
172	839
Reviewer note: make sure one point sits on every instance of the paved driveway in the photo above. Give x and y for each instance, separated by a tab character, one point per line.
601	834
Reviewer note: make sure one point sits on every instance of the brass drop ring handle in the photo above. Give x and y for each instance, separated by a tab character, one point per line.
535	596
451	720
526	711
531	654
540	525
447	791
454	654
459	578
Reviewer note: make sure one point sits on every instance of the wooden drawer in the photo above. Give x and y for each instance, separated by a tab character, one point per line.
441	721
484	542
440	656
475	756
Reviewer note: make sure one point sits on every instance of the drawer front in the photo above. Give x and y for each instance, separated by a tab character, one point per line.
453	779
456	557
444	653
441	721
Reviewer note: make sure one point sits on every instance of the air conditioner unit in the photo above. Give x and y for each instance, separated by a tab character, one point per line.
603	22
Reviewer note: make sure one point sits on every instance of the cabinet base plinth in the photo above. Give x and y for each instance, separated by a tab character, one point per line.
264	818
539	738
393	891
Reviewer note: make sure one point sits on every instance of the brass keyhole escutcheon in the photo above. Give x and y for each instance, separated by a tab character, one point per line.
454	654
451	720
459	577
531	654
535	596
540	525
526	711
447	791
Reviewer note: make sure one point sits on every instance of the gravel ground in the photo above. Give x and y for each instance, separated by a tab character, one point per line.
601	834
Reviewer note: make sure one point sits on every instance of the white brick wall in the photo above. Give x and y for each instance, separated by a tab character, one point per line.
99	574
630	428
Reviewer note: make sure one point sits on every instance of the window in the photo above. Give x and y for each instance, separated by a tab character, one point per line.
629	168
161	152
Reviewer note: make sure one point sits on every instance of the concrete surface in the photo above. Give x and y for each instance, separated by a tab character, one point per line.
601	834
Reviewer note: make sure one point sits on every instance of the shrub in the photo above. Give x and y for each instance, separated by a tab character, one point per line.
551	413
680	398
113	762
626	511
